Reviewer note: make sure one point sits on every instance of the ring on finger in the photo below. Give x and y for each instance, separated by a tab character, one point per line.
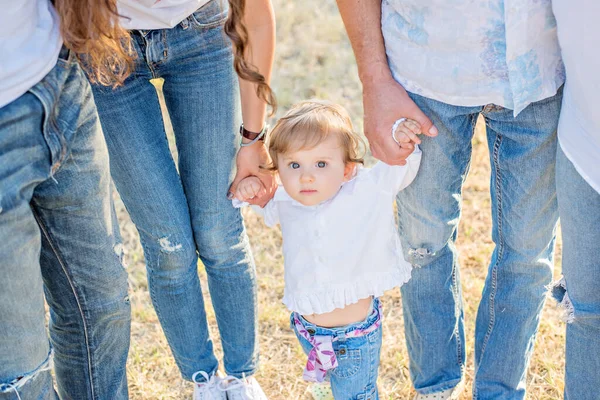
394	127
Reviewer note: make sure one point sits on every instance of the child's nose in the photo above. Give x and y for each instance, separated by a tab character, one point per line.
306	177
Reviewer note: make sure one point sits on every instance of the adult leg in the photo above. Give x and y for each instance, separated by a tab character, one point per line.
86	284
24	163
577	291
57	176
147	180
524	214
429	212
201	92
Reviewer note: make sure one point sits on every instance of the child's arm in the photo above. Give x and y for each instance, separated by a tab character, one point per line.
246	190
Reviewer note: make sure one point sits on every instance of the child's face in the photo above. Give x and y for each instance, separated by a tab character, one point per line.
314	175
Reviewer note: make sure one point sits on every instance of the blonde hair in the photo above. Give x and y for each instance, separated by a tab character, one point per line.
309	123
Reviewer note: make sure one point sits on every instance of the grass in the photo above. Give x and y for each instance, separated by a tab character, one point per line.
314	59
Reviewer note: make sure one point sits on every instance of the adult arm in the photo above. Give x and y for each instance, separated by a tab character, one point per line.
384	99
259	21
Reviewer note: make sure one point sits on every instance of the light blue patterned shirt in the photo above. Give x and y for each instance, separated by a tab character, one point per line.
474	52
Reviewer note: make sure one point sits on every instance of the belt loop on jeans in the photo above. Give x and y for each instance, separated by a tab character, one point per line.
185	23
340	335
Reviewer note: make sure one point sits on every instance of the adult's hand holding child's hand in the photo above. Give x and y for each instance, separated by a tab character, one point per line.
384	102
249	188
248	161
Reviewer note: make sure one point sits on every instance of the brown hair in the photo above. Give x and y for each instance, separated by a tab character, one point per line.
91	30
309	123
238	34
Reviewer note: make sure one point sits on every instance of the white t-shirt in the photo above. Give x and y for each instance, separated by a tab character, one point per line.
29	45
579	125
346	248
156	14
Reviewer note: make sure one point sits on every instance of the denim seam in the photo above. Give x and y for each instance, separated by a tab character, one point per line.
498	189
74	291
49	126
459	345
165	47
456	330
149	62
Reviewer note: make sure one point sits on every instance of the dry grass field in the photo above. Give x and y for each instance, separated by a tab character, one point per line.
314	59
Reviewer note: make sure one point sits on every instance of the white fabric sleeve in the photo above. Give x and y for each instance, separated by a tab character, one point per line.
269	213
394	178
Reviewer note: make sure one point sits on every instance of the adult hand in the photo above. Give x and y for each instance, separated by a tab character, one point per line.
384	102
248	162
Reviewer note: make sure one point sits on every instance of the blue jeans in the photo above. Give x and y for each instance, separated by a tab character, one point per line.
577	291
58	237
524	214
355	377
181	211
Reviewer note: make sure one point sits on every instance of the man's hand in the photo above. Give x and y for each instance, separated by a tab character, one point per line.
384	102
248	161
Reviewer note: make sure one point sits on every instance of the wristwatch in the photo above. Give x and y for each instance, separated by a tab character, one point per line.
252	136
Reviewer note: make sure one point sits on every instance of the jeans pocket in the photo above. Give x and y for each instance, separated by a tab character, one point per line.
211	15
349	362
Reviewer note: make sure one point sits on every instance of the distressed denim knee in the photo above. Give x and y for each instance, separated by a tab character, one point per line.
36	384
423	244
585	310
170	257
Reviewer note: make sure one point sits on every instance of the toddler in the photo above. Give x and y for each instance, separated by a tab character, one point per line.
340	243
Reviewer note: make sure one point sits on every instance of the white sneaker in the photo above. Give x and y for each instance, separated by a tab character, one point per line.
242	389
209	389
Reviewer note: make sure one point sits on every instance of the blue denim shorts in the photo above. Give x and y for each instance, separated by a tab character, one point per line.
357	357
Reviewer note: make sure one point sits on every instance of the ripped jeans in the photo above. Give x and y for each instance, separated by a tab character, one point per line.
524	213
180	209
579	289
58	237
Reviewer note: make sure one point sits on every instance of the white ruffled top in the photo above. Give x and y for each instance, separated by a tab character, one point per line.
346	248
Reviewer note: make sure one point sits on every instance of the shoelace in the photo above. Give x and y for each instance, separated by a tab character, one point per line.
209	380
232	383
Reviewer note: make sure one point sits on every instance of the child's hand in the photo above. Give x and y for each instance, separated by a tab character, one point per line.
248	188
407	132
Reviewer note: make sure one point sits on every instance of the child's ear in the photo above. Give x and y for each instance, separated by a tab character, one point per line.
349	170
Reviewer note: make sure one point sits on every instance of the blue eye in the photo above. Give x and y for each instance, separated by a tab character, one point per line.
321	164
294	165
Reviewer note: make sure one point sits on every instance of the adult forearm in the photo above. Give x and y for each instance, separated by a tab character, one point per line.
260	23
362	19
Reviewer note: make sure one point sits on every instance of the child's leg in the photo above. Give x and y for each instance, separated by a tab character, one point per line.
358	366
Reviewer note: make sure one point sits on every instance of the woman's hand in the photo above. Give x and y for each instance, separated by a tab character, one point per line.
248	162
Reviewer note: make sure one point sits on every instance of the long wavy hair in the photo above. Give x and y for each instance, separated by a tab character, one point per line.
238	34
91	30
